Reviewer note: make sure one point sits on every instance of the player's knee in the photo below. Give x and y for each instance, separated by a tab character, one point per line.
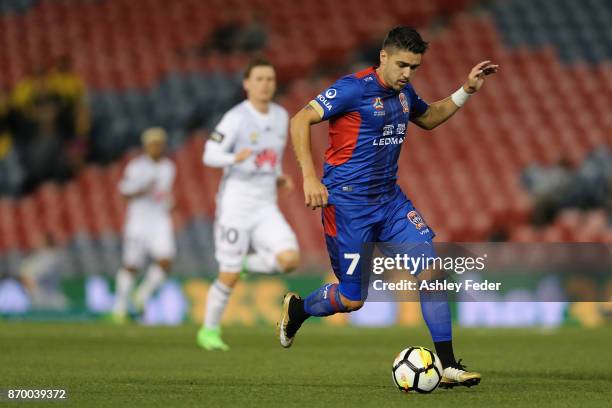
131	269
165	264
229	279
288	260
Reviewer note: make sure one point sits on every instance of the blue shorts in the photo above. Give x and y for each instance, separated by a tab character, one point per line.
349	227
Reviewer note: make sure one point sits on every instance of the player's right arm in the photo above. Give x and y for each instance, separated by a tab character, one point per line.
342	97
315	193
218	151
135	182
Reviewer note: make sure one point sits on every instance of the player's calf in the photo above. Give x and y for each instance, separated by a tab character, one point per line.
324	301
351	305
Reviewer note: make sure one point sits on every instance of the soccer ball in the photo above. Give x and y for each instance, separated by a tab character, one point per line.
417	369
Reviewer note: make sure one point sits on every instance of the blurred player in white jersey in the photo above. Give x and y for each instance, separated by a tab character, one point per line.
250	232
147	185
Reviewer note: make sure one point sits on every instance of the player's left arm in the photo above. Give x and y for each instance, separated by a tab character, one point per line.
438	112
171	200
135	182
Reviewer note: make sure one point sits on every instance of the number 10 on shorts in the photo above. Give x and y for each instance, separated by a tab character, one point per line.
354	257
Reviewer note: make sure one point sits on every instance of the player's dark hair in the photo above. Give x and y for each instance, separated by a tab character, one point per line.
257	62
405	38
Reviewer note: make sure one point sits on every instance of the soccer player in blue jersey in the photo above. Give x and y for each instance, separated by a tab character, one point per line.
368	113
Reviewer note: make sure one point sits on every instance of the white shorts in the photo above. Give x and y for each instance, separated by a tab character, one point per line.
264	230
155	239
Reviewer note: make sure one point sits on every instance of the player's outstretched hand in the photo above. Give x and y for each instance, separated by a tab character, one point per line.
477	76
315	193
284	181
242	155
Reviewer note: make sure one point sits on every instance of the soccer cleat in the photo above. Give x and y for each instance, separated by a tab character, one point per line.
210	339
244	272
456	375
117	318
287	328
139	304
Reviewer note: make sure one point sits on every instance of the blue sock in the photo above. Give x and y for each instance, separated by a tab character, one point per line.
437	315
324	301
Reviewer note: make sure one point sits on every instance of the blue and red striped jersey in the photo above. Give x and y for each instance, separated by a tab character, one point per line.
367	127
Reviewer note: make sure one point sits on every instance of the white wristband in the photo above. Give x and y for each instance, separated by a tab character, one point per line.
460	97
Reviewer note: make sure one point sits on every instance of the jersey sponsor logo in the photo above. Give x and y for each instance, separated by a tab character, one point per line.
160	196
388	130
416	219
331	93
325	102
216	136
404	102
384	141
401	129
387	135
266	156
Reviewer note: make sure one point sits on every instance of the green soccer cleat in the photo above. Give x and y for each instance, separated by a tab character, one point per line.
210	339
117	318
244	272
139	305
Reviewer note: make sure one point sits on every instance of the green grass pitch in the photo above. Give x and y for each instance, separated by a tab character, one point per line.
104	365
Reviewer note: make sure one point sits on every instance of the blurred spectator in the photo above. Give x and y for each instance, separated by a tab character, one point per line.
11	173
593	183
235	36
368	54
550	187
45	106
225	37
75	118
556	187
40	274
253	37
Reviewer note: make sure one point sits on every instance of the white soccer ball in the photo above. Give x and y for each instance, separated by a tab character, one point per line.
417	369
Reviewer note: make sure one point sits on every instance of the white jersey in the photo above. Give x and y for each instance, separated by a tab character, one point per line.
252	182
156	178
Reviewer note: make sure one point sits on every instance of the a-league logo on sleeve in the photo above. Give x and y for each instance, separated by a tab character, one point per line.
217	137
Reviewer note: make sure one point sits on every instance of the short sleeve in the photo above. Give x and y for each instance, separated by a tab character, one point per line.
226	131
218	150
417	105
342	97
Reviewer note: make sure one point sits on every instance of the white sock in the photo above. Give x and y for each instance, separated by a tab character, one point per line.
124	283
217	298
261	262
153	279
